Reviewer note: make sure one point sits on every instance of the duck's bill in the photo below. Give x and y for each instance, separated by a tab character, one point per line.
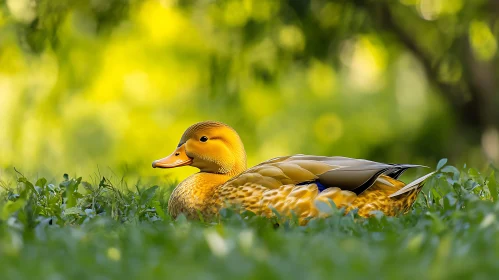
176	159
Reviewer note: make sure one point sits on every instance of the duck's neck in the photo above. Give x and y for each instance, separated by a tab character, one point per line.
192	194
240	160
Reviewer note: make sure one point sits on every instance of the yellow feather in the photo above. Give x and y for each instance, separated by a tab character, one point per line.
289	185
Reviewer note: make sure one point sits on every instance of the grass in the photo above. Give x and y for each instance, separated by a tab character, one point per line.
78	230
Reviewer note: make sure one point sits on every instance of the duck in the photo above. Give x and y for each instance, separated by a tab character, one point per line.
287	186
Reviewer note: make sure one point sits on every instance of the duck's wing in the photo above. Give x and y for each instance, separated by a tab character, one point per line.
351	174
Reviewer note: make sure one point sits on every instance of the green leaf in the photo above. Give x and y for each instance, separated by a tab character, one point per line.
74	211
326	208
449	200
473	173
436	195
441	163
159	210
87	186
492	185
41	182
71	187
27	183
12	206
147	195
452	170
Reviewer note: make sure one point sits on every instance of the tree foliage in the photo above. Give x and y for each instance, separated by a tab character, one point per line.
390	80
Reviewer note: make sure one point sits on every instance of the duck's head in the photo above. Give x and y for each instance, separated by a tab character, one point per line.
213	147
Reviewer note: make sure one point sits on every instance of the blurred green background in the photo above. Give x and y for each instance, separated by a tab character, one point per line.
112	84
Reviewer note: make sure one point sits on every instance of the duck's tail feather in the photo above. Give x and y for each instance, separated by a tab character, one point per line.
416	184
401	168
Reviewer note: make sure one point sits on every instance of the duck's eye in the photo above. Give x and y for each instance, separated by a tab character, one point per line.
203	139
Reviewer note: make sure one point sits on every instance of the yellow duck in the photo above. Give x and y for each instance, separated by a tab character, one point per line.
290	185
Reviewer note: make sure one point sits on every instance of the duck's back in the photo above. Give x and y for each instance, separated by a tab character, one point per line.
297	183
